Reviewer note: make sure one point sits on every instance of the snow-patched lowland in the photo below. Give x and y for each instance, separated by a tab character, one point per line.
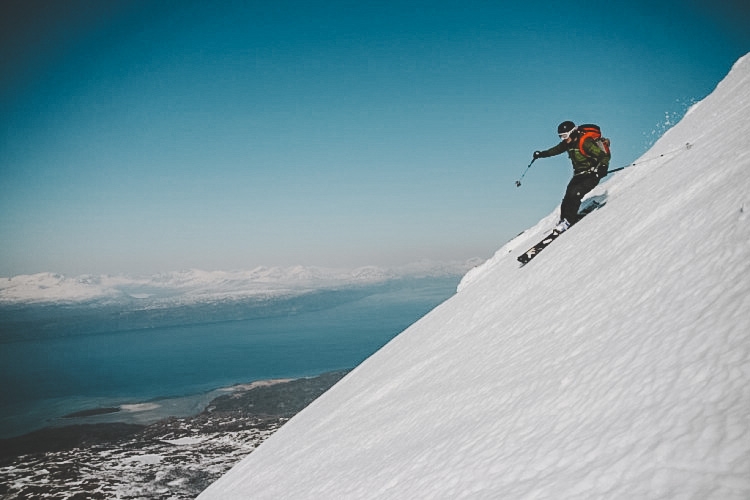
614	365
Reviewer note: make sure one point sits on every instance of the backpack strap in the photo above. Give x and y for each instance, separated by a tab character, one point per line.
582	139
590	131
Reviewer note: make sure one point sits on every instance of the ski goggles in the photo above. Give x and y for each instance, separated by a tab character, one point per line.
566	135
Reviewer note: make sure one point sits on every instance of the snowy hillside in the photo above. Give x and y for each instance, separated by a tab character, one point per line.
614	365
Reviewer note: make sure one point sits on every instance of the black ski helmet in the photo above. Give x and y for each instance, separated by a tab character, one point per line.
566	127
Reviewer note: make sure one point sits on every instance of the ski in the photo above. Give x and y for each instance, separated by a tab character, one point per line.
532	252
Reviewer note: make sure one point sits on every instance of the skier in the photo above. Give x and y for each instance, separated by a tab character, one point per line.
589	166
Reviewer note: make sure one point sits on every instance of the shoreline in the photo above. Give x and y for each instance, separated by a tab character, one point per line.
174	457
110	423
155	410
92	412
86	411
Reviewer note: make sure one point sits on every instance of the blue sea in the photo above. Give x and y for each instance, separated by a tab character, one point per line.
154	362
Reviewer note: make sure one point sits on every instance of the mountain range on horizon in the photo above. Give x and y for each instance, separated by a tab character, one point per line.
198	285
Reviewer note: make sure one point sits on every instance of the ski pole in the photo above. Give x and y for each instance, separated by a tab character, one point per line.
518	182
616	170
668	153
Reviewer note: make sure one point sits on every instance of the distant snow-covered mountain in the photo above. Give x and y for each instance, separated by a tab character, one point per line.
196	285
614	365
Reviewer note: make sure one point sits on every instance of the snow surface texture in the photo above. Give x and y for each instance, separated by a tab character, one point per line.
614	365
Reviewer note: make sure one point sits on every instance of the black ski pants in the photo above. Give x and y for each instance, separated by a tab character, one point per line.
578	186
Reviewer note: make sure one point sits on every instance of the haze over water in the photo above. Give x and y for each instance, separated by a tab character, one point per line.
74	358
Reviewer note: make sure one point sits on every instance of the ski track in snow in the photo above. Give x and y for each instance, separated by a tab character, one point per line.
614	365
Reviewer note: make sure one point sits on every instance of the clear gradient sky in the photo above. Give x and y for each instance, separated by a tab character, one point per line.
139	137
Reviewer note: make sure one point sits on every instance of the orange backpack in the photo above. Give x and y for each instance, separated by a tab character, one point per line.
592	131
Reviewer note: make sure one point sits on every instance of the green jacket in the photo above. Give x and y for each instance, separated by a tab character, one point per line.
596	161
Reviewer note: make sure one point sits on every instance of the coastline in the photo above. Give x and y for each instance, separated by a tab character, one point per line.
151	411
92	412
108	422
174	458
111	411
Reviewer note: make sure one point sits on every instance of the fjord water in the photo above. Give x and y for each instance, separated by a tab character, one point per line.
56	360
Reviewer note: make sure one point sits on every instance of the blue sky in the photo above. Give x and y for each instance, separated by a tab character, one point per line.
140	137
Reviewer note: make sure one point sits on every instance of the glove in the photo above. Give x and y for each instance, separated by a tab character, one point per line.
537	154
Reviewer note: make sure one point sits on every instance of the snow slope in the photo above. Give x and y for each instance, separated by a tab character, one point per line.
614	365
